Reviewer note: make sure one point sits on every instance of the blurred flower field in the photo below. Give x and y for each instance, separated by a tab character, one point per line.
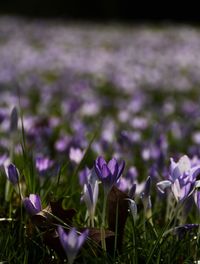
100	142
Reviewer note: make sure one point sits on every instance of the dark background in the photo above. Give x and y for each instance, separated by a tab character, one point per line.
118	10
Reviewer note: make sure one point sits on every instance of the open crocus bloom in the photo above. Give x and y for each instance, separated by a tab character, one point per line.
182	178
71	242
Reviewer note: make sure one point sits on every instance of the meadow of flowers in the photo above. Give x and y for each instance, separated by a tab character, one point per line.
100	143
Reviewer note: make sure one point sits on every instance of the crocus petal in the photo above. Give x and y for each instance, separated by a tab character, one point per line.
121	168
90	192
174	170
173	165
131	192
98	171
147	187
101	161
105	171
176	189
123	184
33	204
95	193
29	206
72	238
86	198
197	184
186	189
92	177
195	171
63	236
184	164
82	238
35	200
149	204
163	185
113	166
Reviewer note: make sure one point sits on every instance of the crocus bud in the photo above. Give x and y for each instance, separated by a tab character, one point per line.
133	209
145	195
12	174
32	204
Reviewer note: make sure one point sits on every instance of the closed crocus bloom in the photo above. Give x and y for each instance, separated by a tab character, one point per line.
71	242
108	173
90	196
145	195
12	174
133	209
32	204
90	191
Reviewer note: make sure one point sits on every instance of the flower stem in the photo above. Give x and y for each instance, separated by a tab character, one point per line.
104	210
91	219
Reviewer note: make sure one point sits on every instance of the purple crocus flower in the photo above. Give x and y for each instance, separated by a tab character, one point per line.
12	174
76	154
71	242
32	204
89	182
108	173
182	178
43	163
83	176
